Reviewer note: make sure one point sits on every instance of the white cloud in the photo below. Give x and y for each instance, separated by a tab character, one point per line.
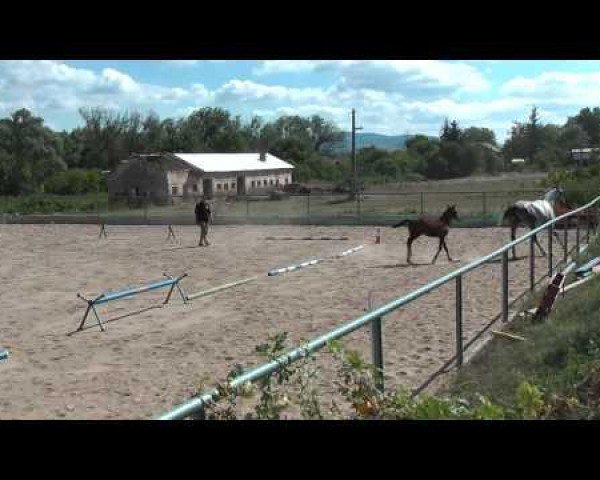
467	110
247	90
52	85
389	75
557	88
268	67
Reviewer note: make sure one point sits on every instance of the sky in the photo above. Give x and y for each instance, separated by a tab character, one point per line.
391	97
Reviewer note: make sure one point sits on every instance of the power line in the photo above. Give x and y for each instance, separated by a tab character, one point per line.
354	162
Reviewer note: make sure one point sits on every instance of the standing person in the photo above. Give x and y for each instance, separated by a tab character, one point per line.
203	217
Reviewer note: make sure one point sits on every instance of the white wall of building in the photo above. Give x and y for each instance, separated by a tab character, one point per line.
180	183
267	182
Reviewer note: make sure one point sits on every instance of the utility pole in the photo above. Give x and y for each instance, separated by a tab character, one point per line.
354	163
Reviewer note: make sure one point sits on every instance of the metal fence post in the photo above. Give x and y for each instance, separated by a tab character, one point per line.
459	320
505	286
377	352
577	234
422	202
550	234
566	240
531	263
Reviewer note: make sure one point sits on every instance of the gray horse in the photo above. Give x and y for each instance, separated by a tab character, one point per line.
533	213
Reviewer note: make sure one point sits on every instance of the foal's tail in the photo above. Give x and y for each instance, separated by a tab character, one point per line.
399	224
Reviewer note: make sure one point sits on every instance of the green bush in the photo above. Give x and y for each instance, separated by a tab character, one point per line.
76	182
49	204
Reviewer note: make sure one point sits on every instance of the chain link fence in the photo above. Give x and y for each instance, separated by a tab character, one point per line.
481	207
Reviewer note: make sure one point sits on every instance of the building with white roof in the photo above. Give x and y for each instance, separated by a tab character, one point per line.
585	156
165	176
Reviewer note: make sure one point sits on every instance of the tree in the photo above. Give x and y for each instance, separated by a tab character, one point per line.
450	132
573	135
589	121
516	145
532	130
422	146
325	135
108	137
479	135
29	153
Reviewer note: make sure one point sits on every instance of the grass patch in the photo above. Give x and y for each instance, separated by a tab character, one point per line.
48	204
560	357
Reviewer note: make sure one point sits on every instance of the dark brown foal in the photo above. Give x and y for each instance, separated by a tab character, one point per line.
432	227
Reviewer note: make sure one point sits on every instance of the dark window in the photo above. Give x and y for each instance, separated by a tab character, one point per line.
265	183
286	180
253	183
195	187
233	185
174	190
271	181
226	186
218	186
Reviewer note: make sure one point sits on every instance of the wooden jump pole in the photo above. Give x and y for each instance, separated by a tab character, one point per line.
210	291
172	282
308	238
170	231
510	336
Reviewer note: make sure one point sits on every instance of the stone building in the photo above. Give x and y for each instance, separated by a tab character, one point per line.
164	177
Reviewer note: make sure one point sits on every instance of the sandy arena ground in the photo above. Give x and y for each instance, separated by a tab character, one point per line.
145	364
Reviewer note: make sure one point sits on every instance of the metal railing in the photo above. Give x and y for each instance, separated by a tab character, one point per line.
195	406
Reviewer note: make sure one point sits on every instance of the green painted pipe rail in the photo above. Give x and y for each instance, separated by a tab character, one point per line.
195	405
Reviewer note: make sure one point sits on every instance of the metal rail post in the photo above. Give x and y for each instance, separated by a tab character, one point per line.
377	351
459	321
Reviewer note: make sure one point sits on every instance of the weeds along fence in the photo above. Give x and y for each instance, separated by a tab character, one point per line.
374	318
317	208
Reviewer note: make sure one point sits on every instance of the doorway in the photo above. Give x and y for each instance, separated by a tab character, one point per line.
207	187
241	185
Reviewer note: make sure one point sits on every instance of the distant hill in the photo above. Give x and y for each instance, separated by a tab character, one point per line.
383	142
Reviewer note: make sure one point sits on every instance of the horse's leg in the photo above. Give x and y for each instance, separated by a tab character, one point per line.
535	240
409	242
513	229
539	246
446	248
439	250
557	236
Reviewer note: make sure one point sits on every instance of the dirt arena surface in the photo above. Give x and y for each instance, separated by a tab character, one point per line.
145	364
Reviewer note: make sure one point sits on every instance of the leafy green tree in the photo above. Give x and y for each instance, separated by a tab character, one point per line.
75	182
29	153
479	135
589	120
533	134
572	136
